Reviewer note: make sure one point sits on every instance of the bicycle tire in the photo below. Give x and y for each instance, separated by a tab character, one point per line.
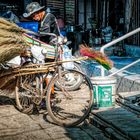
70	112
77	67
72	80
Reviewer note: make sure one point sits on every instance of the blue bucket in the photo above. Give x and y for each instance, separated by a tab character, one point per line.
32	26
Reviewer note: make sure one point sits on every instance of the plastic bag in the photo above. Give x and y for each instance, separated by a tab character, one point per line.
67	55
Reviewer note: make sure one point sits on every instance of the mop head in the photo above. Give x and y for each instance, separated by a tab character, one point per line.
96	55
12	42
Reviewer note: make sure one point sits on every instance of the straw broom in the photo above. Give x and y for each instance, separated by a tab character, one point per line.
12	42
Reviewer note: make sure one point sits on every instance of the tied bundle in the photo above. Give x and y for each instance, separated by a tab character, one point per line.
12	42
96	55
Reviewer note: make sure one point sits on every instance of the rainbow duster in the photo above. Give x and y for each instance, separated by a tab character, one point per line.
96	55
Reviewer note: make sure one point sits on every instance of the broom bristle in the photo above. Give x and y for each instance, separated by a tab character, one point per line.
12	42
96	55
12	27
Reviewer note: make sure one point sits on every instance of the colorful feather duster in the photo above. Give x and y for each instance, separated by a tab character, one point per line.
96	55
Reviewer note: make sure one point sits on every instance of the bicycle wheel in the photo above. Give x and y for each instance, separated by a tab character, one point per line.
72	80
77	67
27	93
69	108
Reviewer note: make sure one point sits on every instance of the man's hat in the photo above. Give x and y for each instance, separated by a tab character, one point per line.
32	8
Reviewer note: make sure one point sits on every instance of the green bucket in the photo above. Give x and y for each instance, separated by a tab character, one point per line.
104	90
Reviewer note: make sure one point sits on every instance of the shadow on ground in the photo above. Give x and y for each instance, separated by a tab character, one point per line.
4	100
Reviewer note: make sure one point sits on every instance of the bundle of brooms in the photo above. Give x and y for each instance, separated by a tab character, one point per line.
7	78
12	42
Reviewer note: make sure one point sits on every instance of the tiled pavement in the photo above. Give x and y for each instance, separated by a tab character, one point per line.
18	126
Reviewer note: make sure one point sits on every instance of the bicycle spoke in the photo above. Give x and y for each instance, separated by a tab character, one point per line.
69	111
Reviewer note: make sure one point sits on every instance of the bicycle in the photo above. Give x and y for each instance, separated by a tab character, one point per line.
66	107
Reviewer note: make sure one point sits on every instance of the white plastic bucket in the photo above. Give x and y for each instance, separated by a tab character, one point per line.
104	90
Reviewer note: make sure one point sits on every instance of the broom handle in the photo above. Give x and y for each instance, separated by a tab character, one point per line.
33	33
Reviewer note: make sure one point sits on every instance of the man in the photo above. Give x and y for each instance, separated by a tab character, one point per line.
47	21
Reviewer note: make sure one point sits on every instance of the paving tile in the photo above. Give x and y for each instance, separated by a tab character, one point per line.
15	125
30	135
